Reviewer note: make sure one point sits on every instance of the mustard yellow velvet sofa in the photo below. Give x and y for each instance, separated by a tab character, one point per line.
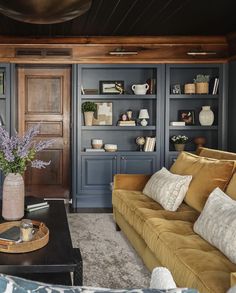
165	238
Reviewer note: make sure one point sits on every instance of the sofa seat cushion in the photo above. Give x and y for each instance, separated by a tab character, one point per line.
137	208
187	255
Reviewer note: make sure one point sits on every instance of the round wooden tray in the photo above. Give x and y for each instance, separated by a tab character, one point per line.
40	239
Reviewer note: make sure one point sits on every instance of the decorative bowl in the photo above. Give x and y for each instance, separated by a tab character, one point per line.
110	147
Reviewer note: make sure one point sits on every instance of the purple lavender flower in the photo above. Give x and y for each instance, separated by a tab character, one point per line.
43	145
26	142
39	164
16	152
5	145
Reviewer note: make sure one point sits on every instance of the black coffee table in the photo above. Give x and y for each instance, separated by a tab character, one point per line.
54	262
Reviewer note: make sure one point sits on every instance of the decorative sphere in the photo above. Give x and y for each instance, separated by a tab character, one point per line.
140	140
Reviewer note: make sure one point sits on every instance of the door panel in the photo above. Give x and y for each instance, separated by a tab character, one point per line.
98	172
44	96
138	164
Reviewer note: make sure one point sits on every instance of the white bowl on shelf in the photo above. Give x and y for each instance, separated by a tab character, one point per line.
110	147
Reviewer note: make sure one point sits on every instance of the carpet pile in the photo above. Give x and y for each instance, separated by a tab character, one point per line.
108	258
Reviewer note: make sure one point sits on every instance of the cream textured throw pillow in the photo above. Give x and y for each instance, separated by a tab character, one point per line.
167	189
217	223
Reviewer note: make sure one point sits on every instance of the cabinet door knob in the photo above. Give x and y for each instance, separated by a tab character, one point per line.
114	158
122	158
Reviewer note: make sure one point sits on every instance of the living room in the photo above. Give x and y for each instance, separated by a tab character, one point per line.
107	91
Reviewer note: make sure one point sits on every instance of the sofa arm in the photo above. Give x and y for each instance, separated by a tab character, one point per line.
130	181
232	279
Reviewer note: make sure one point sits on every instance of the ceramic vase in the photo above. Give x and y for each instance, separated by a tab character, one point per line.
179	147
13	197
88	118
206	116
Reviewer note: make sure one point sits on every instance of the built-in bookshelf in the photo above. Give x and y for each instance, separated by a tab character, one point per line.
4	102
180	102
96	169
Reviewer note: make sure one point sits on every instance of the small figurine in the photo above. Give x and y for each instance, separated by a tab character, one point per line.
129	114
119	88
124	117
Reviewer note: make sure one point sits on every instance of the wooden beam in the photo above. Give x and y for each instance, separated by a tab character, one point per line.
97	49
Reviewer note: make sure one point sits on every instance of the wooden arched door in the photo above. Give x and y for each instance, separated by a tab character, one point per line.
44	95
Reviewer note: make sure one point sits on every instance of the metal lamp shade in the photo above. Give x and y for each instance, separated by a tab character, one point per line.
44	11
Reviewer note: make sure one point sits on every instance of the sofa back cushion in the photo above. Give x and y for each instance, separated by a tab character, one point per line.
216	154
207	175
217	221
222	155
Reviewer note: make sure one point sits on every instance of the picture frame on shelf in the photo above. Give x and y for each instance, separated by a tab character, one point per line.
175	89
104	114
187	116
111	87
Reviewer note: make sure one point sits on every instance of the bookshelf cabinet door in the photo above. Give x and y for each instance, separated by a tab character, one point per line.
98	172
134	164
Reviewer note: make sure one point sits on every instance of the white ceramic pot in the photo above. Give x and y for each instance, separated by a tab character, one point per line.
206	116
13	197
140	89
97	143
88	118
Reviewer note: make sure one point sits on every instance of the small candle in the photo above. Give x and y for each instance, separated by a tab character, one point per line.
26	230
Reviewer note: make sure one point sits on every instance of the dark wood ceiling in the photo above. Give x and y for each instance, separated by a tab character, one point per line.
138	17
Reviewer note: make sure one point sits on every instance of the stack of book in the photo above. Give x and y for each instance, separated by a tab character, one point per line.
33	204
177	123
94	150
127	123
215	86
149	145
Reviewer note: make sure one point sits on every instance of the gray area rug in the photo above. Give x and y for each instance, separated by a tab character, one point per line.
108	258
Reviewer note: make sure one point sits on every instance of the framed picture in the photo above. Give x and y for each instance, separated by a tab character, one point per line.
103	115
188	116
111	87
175	89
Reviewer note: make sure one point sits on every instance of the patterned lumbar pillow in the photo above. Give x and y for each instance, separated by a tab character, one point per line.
167	189
217	223
10	284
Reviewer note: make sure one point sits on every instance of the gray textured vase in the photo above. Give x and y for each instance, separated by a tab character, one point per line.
206	116
13	197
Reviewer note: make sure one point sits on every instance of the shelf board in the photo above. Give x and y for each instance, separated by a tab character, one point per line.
118	97
119	128
195	96
2	96
193	127
119	152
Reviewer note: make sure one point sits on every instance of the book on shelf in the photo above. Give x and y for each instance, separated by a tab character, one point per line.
33	202
149	145
177	123
215	86
37	208
94	150
126	123
90	91
11	234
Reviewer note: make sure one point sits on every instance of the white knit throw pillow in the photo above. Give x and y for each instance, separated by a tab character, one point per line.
217	222
167	189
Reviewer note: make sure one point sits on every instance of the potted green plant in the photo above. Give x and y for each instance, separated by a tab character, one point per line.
202	84
88	108
179	142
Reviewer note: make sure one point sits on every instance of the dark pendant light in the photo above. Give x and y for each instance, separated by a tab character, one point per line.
44	11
